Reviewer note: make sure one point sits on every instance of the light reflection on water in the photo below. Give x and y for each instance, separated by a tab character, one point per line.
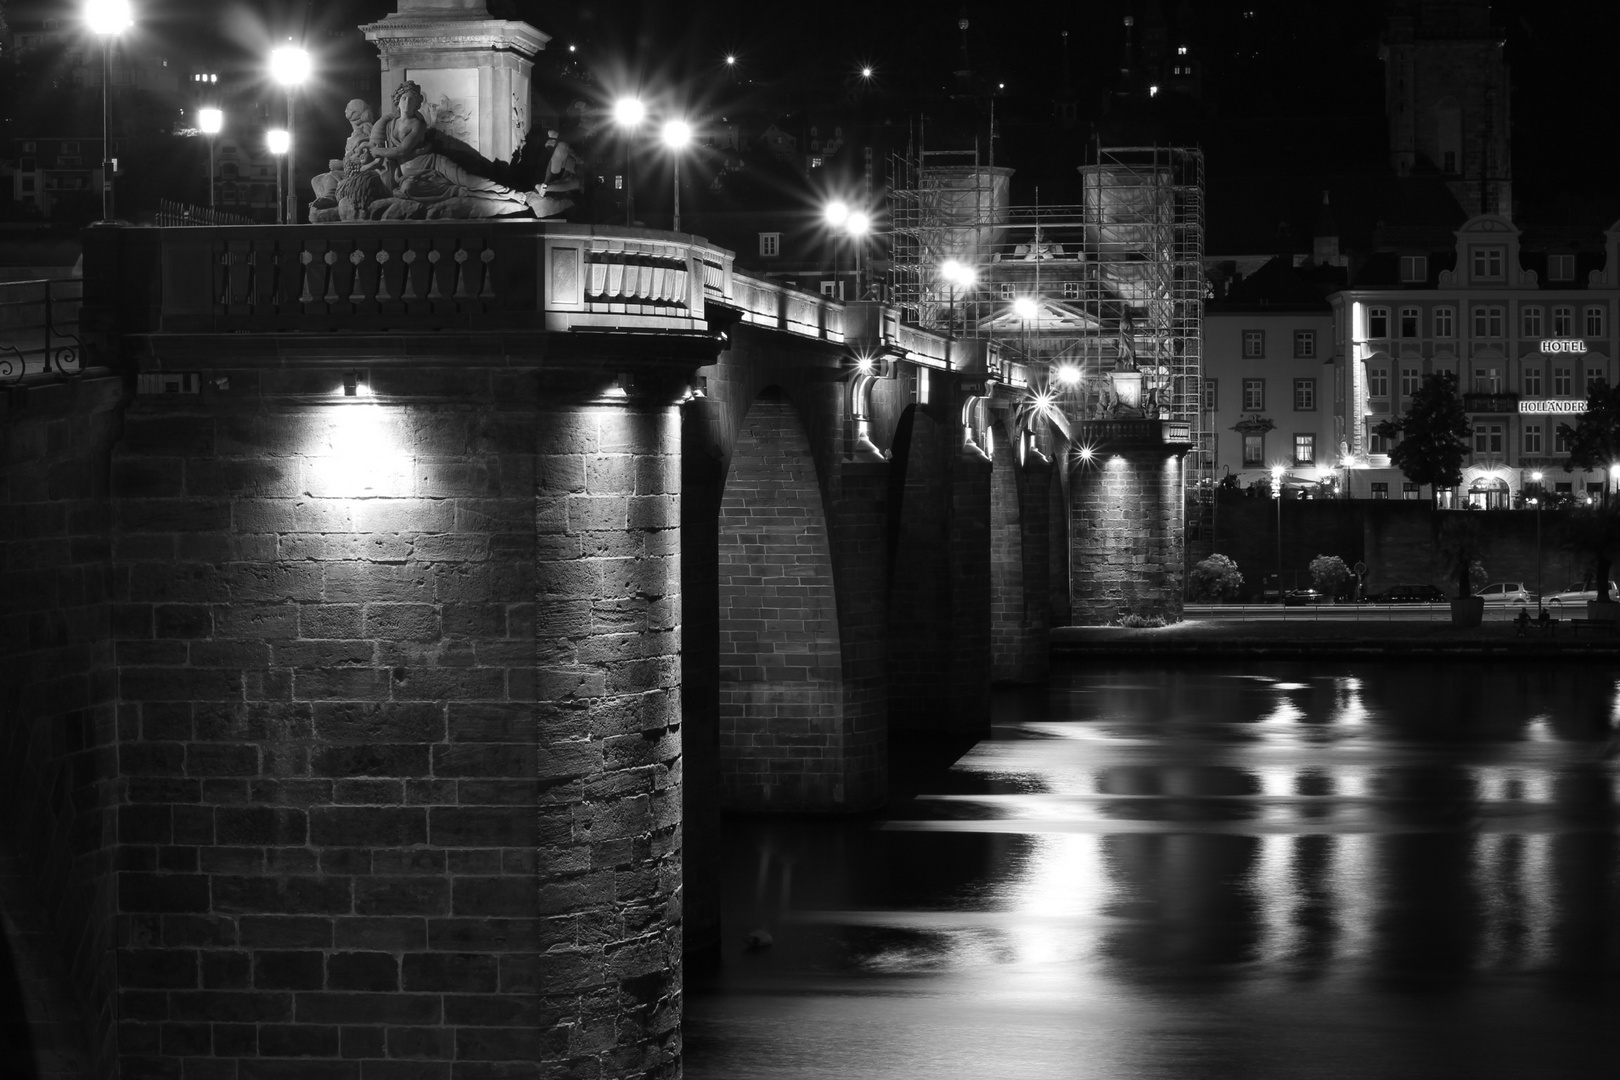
1290	871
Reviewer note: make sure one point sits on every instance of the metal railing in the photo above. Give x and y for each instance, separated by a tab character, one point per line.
39	329
171	213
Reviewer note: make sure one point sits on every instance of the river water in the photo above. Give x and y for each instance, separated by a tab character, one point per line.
1190	871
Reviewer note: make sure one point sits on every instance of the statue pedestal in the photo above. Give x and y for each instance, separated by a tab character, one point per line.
473	69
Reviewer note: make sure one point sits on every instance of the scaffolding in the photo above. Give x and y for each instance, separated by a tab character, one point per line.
1114	280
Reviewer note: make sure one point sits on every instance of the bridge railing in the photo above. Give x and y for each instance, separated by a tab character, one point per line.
39	329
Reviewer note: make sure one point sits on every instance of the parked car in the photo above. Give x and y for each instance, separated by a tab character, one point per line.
1507	592
1300	597
1409	594
1580	593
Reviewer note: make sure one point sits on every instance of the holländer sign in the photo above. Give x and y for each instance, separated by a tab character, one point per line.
1559	344
1540	406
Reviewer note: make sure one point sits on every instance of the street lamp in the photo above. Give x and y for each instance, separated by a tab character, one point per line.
278	141
211	121
1276	493
107	19
289	66
854	224
628	112
677	134
958	275
1541	497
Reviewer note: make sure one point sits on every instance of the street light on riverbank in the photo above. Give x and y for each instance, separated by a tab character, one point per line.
1276	493
1541	497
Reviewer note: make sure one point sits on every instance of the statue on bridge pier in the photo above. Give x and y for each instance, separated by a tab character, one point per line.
400	167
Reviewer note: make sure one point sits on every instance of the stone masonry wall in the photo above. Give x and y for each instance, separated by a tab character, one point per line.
781	678
919	605
399	730
1126	514
58	728
1019	607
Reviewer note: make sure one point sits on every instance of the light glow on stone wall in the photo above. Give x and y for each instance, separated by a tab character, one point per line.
363	453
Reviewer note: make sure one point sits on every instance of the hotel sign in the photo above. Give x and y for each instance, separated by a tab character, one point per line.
1562	345
1544	406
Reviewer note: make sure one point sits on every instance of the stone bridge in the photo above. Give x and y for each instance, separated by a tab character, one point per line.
392	609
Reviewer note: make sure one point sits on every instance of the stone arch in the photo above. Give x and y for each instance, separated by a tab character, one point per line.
781	700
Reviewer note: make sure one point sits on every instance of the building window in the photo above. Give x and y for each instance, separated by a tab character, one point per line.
1305	344
1254	395
1532	438
1376	443
1445	323
1378	322
1380	489
1414	268
1254	344
1409	490
1410	379
1488	263
1211	386
834	289
1594	322
1560	442
1560	268
1530	322
1563	382
1254	449
1378	382
1304	395
1532	382
1071	290
1563	322
770	244
1304	449
1487	322
1488	380
1409	323
1487	438
1594	376
1008	290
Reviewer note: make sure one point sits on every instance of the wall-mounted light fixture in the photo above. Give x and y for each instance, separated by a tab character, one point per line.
357	383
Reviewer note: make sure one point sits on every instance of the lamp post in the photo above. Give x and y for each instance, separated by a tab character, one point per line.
278	141
1541	497
677	134
211	121
854	224
107	19
289	66
1276	493
628	112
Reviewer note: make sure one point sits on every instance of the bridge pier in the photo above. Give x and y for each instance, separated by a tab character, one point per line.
1126	507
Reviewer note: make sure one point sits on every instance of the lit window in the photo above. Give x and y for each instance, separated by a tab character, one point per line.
1254	449
1304	395
1563	321
1530	322
1304	449
1071	290
1181	50
1414	268
1254	344
1008	290
1304	344
1378	382
1594	322
1409	490
1409	322
1254	395
1378	322
1487	262
770	244
1445	324
1560	268
1380	489
1532	438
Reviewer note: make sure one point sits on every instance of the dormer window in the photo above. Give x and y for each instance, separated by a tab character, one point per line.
1487	263
1560	268
1414	269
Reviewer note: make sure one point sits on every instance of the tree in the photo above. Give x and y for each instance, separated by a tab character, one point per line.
1215	578
1594	531
1433	434
1459	543
1594	443
1328	574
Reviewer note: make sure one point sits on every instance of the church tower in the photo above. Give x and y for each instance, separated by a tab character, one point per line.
1446	99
